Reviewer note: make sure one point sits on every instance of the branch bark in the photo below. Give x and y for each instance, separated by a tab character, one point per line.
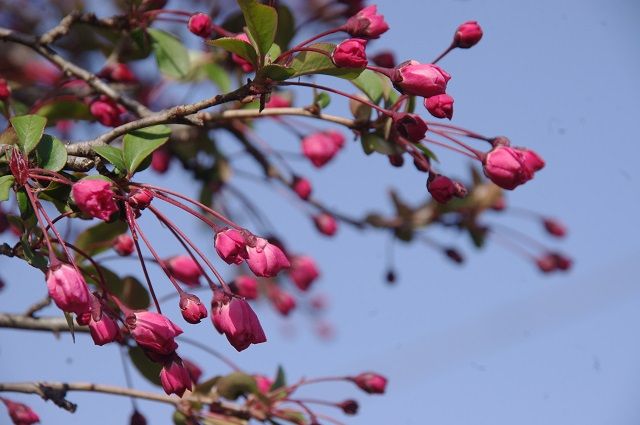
50	324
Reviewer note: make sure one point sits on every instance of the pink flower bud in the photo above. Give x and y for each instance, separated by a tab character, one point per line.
350	53
303	271
5	91
396	160
552	261
349	407
20	414
118	72
370	382
84	319
554	227
418	79
302	187
467	35
185	269
326	224
68	289
245	287
137	418
440	106
510	167
281	300
94	197
107	112
410	126
194	370
454	255
385	59
321	147
154	332
244	64
443	189
123	245
563	262
104	331
264	383
140	198
277	101
266	259
200	25
238	322
367	23
175	378
160	161
546	263
193	311
231	246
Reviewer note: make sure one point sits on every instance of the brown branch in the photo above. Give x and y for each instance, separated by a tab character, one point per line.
36	307
50	324
63	28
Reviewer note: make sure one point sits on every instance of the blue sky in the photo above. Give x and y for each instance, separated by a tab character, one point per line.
492	342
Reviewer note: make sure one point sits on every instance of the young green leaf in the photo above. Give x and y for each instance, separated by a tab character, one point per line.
262	22
51	153
236	384
65	109
322	99
29	129
111	154
171	55
99	238
371	84
317	63
139	144
147	368
5	184
286	26
239	47
276	72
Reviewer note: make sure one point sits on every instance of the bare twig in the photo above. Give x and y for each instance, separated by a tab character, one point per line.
36	307
51	324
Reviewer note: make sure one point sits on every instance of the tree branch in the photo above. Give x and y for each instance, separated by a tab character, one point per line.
50	324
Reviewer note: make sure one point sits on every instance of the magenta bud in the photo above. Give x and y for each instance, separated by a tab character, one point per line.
123	245
264	383
160	160
277	101
5	91
175	378
422	163
443	189
303	271
554	227
467	35
410	126
83	319
546	263
415	78
194	370
349	407
185	269
510	167
390	276
137	418
193	311
325	223
154	332
68	289
20	414
107	111
140	198
385	59
370	382
104	331
283	301
231	246
266	259
245	287
238	322
321	147
200	25
94	197
350	53
118	72
396	160
440	106
302	187
454	255
367	23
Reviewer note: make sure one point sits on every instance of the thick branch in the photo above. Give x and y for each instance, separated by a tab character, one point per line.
50	324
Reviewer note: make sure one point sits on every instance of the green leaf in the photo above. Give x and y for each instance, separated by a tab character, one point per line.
51	153
236	384
6	182
239	47
65	109
24	205
146	367
99	238
128	289
72	326
139	144
218	75
277	72
262	22
317	63
33	258
286	26
29	129
372	142
281	379
428	152
371	84
171	55
111	154
322	99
